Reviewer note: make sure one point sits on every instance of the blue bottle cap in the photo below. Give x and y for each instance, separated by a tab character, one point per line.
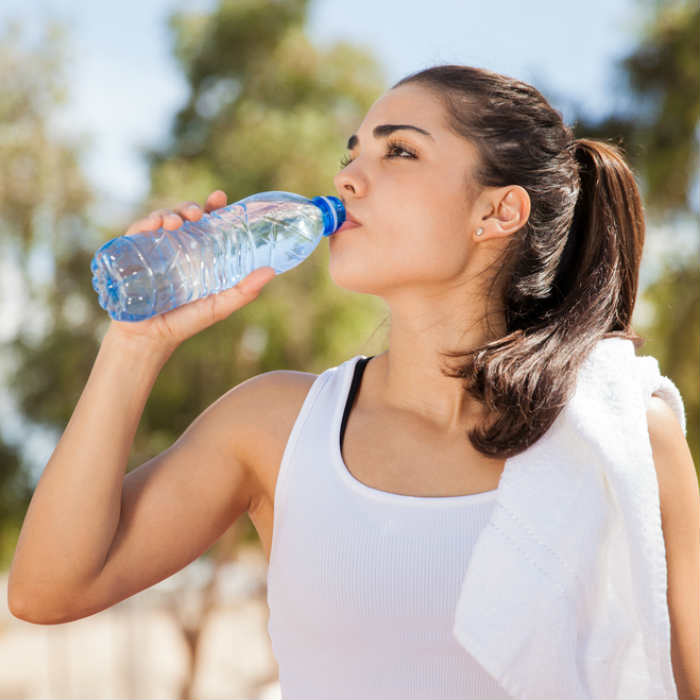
333	213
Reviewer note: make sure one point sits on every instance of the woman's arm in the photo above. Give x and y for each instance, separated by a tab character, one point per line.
90	536
680	516
74	512
93	537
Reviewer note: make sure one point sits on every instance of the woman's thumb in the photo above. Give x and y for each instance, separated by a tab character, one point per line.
256	280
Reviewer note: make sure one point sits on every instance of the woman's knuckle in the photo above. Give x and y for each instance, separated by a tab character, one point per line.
171	216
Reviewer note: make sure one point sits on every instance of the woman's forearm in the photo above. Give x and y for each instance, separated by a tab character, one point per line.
74	511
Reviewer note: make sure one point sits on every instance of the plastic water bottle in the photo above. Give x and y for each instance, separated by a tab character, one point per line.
141	275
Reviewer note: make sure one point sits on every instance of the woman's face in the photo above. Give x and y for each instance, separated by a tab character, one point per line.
408	189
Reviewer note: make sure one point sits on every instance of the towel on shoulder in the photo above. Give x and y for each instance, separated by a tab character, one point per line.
565	592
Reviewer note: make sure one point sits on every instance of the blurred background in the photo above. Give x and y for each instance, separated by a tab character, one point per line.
111	110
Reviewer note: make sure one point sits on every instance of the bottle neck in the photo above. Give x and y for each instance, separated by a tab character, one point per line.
333	212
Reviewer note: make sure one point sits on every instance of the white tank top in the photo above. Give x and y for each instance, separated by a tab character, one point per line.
362	583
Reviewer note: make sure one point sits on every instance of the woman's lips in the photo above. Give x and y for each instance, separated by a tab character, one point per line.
348	224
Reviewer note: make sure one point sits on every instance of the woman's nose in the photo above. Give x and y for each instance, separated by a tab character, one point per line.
349	180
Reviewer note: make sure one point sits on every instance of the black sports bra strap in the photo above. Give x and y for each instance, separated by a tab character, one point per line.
354	388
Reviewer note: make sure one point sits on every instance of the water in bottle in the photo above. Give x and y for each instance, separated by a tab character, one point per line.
144	274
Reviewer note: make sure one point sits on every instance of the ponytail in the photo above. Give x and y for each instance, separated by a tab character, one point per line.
609	229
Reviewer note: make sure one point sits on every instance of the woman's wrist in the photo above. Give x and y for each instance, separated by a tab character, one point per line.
141	346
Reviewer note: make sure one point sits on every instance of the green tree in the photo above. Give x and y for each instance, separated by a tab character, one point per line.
41	185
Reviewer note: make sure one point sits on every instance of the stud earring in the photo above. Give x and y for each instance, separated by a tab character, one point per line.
479	231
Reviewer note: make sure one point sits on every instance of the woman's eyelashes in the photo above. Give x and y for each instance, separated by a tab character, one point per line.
394	148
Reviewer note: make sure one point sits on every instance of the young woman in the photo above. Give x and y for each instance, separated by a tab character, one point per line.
497	240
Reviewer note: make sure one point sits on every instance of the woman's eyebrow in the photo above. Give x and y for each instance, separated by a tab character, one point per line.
385	130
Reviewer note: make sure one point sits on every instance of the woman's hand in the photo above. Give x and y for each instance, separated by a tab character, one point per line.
173	327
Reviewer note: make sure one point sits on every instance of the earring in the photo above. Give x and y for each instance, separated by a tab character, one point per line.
479	231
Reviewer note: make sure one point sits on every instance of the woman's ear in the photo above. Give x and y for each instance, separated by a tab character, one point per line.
510	209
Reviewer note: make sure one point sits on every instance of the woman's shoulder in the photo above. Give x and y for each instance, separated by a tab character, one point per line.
288	388
260	419
285	390
277	392
269	403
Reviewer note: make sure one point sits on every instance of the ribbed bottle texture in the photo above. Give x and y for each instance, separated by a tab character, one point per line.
144	274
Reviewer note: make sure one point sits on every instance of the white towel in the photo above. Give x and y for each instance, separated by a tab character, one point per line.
564	596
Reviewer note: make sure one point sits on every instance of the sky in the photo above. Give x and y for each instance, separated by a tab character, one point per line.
125	87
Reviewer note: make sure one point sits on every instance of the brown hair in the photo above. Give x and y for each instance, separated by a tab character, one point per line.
568	277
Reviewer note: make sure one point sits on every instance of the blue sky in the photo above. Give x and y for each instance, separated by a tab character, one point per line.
125	87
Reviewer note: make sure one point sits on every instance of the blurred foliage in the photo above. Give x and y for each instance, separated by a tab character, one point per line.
660	141
40	181
659	134
267	110
15	493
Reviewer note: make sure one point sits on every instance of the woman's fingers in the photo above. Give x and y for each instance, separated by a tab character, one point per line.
148	223
165	218
215	200
171	219
191	211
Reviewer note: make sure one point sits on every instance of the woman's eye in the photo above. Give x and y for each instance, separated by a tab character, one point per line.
393	150
397	148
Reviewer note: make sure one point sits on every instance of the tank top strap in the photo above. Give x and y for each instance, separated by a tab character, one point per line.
354	388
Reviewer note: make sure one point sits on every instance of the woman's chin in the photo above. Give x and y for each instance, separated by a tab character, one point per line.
349	276
349	267
360	283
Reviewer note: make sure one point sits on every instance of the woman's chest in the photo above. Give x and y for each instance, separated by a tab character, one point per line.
398	456
386	454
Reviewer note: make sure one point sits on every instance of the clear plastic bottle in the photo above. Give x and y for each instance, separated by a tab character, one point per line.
141	275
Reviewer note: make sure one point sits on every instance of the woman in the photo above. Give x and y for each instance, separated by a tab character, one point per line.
496	239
